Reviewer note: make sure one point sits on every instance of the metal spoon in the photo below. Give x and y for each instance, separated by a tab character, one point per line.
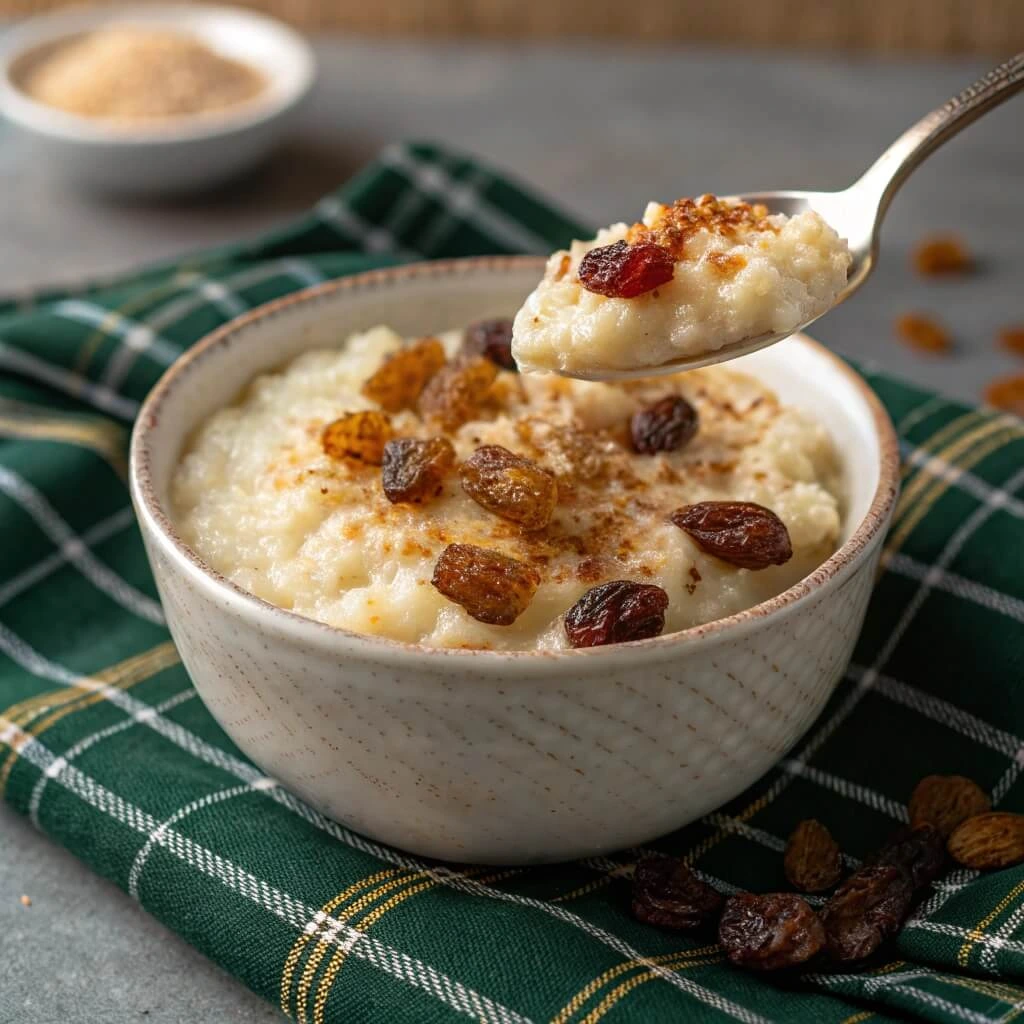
856	213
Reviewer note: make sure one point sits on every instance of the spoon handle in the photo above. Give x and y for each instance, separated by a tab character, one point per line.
893	167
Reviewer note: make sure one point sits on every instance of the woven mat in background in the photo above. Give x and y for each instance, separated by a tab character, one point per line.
104	745
926	26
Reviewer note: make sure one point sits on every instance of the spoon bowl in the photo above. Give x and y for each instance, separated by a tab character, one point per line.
855	213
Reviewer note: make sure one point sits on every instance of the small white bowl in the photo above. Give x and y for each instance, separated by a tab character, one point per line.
504	757
172	155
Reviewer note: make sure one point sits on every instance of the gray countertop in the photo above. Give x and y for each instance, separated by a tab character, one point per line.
602	129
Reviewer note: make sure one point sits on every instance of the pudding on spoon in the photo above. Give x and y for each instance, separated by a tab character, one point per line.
686	281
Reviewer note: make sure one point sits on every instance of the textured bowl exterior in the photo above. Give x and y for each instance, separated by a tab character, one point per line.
575	760
509	758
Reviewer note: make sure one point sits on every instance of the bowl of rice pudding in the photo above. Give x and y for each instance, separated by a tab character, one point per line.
476	613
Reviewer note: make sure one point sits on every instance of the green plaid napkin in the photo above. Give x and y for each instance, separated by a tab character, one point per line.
105	747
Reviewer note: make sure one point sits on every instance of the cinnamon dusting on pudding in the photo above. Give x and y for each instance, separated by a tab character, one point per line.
540	470
673	226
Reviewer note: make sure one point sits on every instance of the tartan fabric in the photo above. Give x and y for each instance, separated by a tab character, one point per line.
104	745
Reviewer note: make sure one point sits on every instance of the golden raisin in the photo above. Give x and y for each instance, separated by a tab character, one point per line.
492	587
454	394
1007	393
812	860
414	471
923	333
1012	339
510	486
399	380
989	842
360	436
944	801
942	254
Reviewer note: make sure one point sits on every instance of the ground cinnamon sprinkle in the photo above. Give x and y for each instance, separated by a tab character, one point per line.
137	74
1007	393
941	255
1012	339
923	333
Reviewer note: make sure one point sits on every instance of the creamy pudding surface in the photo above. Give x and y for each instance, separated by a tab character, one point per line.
285	493
687	280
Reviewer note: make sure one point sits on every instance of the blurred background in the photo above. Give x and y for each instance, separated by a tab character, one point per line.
922	26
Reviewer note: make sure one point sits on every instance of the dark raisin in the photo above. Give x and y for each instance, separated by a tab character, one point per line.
510	486
741	533
414	471
921	852
770	932
624	271
664	426
359	436
616	612
455	394
492	339
493	588
668	894
865	910
812	860
398	381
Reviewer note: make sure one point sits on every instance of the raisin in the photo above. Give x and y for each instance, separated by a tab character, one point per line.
414	471
812	860
455	394
492	339
359	436
616	612
944	801
989	842
664	426
769	932
923	333
574	455
1007	393
666	893
510	486
738	532
943	254
920	852
398	381
865	910
1012	339
493	588
624	271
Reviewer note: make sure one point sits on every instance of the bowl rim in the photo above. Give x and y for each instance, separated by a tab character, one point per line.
51	27
830	574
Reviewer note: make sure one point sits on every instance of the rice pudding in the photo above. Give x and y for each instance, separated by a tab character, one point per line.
687	280
425	491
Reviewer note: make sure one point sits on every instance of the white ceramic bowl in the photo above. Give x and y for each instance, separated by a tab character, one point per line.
176	155
504	757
